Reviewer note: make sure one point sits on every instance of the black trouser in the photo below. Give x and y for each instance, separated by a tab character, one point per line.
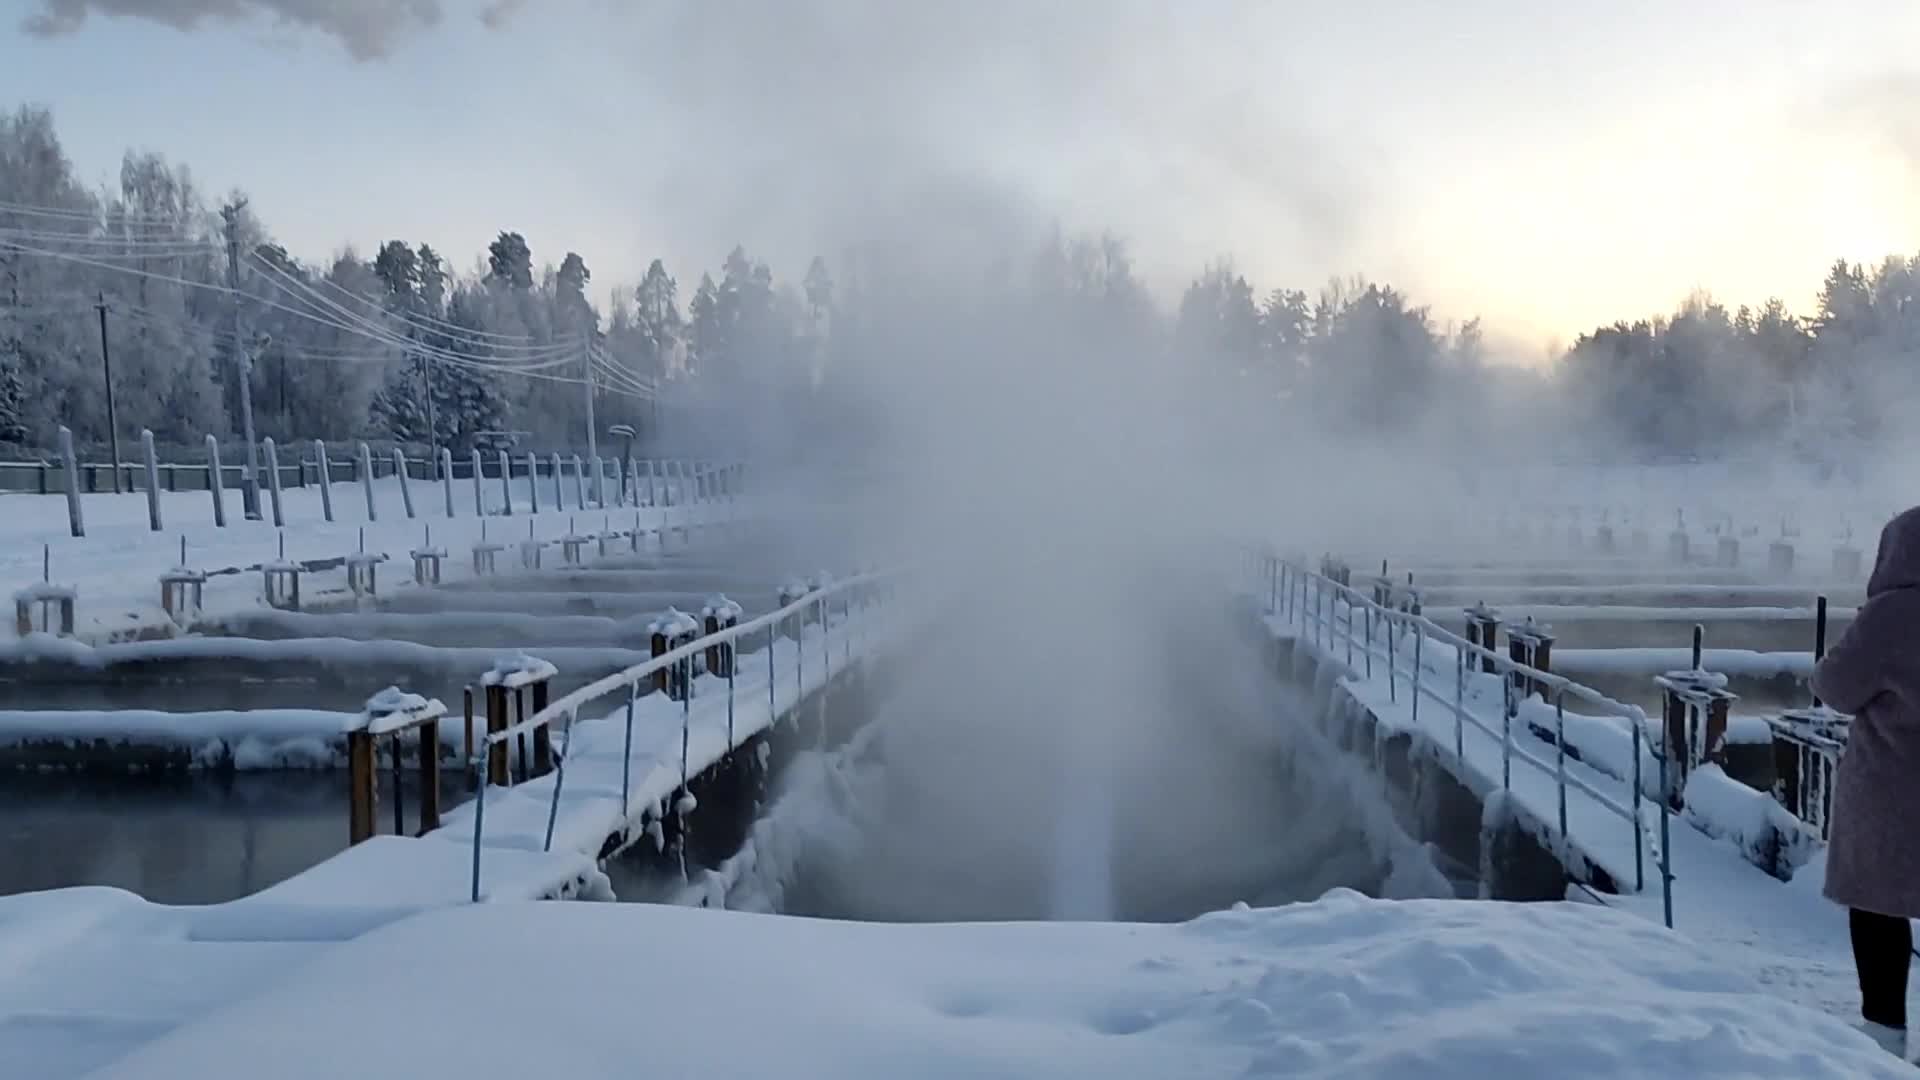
1882	945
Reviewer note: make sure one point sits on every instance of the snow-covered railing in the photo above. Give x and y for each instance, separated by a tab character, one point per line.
851	594
1373	631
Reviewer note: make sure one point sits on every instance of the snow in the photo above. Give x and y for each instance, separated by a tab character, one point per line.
1752	821
44	591
252	739
516	670
673	623
1342	987
1650	662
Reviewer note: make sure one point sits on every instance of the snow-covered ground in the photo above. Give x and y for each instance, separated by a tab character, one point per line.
97	983
118	563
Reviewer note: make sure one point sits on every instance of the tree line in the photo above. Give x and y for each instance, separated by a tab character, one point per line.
203	305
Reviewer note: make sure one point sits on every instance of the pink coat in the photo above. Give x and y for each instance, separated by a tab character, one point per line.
1873	859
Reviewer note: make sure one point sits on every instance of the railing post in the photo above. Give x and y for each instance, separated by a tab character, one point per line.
479	822
325	473
76	521
533	483
214	483
1392	664
273	480
1460	704
1506	734
542	735
1639	832
1419	638
153	479
366	480
626	755
559	487
479	496
506	484
1560	753
446	478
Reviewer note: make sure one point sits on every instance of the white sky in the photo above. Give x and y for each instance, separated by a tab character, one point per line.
1546	167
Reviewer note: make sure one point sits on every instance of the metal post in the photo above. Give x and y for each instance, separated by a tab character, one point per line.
1460	704
479	496
579	483
153	479
1819	636
113	419
1368	651
533	482
1666	847
1506	733
479	817
1393	681
242	362
1419	636
506	484
559	783
626	757
559	489
1639	834
1560	753
326	479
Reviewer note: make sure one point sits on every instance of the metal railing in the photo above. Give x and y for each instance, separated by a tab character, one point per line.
1399	639
857	594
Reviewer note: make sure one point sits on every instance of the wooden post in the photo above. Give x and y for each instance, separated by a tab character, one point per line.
496	723
360	786
430	774
542	736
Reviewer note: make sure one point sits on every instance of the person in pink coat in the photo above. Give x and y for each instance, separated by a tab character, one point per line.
1873	856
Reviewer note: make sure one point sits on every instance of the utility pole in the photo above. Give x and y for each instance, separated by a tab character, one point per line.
433	425
586	360
113	418
243	363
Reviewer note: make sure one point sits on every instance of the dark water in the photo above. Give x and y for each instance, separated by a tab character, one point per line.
179	838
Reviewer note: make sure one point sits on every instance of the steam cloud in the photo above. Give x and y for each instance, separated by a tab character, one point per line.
368	28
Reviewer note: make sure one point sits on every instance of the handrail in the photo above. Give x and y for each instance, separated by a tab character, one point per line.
567	705
631	679
1555	689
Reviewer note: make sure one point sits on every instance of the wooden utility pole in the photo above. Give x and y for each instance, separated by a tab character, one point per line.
113	419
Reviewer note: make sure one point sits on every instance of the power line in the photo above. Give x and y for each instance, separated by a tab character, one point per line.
434	325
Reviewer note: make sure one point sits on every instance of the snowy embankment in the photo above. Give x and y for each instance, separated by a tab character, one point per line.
1343	987
117	565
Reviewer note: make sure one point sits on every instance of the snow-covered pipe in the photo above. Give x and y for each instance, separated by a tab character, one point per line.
326	478
153	479
215	485
74	519
366	480
406	490
273	481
